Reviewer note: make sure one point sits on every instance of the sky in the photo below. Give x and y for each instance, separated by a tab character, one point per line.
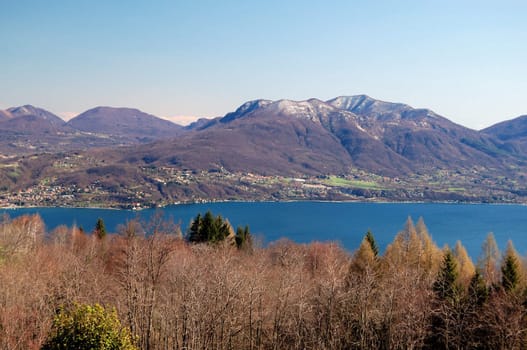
466	60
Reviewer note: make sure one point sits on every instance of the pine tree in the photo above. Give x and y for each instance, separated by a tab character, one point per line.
446	286
196	230
510	269
244	239
373	244
478	292
447	314
100	229
210	229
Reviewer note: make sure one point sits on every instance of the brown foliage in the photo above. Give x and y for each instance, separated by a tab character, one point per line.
173	295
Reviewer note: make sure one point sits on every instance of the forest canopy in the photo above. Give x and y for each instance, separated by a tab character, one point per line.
162	290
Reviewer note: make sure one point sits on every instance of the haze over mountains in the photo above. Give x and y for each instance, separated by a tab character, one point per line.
277	137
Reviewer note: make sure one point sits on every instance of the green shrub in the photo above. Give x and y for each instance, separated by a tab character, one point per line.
86	327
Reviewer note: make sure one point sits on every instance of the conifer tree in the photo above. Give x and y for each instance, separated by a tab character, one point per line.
195	231
510	269
446	286
478	292
447	315
364	258
465	264
373	244
244	239
430	254
100	229
210	229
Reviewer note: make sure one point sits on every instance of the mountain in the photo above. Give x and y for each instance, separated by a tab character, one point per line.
320	137
513	132
421	136
28	110
28	129
30	120
125	123
255	138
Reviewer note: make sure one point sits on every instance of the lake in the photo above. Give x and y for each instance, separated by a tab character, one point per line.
328	221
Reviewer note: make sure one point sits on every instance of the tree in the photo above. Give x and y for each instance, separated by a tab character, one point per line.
373	244
448	317
478	293
100	229
195	231
465	264
446	286
430	255
364	259
88	327
488	260
210	229
510	269
244	239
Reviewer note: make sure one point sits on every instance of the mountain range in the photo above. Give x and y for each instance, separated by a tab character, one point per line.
329	137
283	137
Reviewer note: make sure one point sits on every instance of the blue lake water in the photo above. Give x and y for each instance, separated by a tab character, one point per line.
328	221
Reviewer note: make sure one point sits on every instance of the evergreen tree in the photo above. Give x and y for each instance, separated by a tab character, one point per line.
373	244
210	229
447	315
510	274
100	229
244	239
446	285
195	230
478	292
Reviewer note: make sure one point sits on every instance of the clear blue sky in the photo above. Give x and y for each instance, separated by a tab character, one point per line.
466	60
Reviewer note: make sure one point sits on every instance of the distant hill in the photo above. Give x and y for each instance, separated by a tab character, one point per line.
28	129
124	122
513	132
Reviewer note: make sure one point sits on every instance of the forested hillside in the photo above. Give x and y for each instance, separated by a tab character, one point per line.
170	291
